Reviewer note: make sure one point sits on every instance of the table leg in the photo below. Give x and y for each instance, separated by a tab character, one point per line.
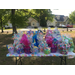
63	60
18	60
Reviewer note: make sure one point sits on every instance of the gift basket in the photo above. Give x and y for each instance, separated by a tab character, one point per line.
47	50
56	32
42	43
53	48
27	49
63	48
40	36
54	45
71	45
49	40
52	42
40	47
17	38
69	40
63	45
49	33
36	37
35	50
24	40
20	48
10	48
34	42
30	36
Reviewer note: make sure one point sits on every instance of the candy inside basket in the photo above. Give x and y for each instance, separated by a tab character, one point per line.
34	42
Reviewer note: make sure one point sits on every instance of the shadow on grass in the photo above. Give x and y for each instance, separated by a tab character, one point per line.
4	40
41	61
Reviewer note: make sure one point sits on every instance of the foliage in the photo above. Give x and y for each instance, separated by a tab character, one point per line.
4	16
20	17
42	15
72	17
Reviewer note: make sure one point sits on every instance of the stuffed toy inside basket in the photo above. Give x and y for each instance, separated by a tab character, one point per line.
10	49
53	49
20	51
63	49
35	50
27	49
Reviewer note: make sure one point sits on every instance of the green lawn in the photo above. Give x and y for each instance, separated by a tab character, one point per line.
24	28
73	26
11	29
6	39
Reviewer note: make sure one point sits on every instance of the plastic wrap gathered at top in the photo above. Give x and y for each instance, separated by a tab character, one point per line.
34	42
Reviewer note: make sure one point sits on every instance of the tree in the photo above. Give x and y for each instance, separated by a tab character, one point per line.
42	15
72	17
3	17
46	16
18	17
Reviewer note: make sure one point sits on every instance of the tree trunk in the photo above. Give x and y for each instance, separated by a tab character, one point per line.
13	23
1	25
67	29
39	20
2	29
14	29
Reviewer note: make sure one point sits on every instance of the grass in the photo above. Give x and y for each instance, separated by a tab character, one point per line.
7	39
23	28
11	28
73	26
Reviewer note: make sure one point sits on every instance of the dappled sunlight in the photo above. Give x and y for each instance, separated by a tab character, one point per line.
7	33
5	39
8	38
68	33
33	58
0	42
71	35
1	36
14	58
3	45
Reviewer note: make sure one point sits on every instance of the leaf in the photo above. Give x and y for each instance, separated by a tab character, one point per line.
72	17
42	15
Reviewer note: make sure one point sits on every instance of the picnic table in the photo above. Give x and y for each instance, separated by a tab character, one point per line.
41	54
